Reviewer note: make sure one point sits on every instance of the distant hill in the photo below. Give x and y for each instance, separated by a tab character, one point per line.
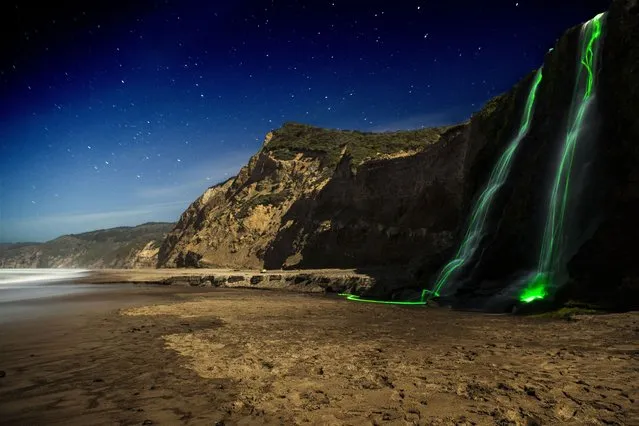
121	247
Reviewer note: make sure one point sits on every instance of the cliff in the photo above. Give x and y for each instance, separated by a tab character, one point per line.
122	247
317	198
308	187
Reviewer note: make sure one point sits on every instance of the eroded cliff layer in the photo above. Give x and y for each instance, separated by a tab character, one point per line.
314	197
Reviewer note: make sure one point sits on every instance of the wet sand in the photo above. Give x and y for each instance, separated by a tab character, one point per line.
44	301
189	356
82	363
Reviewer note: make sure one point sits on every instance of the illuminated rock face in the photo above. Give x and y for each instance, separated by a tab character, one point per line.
316	198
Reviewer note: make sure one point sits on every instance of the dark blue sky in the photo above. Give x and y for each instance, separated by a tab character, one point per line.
117	114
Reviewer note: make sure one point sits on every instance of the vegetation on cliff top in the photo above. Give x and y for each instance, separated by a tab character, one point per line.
293	138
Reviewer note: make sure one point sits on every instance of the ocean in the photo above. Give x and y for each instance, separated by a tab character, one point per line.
32	293
25	284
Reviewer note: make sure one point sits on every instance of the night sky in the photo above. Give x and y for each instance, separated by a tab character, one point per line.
114	113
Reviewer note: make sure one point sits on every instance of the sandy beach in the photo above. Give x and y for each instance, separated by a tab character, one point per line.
167	355
84	363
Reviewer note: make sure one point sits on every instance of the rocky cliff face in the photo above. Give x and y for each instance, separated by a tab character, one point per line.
313	198
317	198
123	247
233	222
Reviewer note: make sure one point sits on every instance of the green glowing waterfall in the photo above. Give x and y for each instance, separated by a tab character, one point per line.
479	216
554	232
480	210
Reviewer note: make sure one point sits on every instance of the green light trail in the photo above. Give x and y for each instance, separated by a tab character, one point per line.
479	216
356	298
554	235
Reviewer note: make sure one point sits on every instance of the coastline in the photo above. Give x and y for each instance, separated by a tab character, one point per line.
84	363
183	355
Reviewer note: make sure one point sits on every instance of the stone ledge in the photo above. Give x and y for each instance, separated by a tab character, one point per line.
301	282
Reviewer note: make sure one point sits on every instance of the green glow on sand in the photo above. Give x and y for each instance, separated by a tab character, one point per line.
536	290
554	235
479	216
356	298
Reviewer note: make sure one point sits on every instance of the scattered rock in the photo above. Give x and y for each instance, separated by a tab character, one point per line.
2	373
530	391
386	381
533	421
390	415
237	405
504	386
412	418
218	281
299	279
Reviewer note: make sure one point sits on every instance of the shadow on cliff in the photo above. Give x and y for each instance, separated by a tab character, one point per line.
382	213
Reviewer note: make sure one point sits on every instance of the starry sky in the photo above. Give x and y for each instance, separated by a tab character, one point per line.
119	112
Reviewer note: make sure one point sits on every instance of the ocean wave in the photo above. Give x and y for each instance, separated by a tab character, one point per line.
10	277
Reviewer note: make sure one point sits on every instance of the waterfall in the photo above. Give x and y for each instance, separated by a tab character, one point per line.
479	216
554	238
